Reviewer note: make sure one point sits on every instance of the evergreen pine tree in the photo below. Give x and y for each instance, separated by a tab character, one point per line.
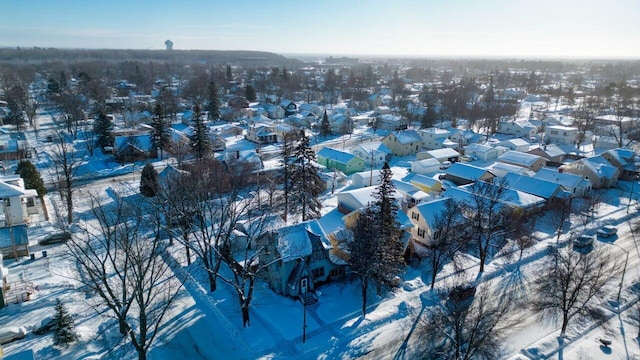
31	177
149	181
200	140
250	93
213	106
306	185
160	135
391	248
325	127
103	128
287	168
64	333
363	250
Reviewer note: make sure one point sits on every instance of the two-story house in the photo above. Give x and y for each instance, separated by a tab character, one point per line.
558	134
403	143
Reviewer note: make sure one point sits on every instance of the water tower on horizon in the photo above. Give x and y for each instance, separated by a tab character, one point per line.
169	44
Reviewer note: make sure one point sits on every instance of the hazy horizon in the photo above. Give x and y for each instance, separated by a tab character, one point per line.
570	29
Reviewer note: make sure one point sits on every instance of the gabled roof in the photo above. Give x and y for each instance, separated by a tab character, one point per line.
539	187
516	142
8	190
479	148
432	209
600	166
514	198
569	181
466	171
420	180
407	136
428	162
142	142
336	155
552	150
293	242
518	157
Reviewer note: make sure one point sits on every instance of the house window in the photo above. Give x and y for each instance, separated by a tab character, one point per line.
336	272
421	233
554	132
30	202
415	216
317	273
564	134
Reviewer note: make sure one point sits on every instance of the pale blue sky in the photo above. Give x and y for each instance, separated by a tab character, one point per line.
527	28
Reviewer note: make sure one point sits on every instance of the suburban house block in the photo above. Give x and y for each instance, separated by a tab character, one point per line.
289	107
340	123
298	261
529	161
442	155
626	162
134	147
403	143
575	184
261	134
423	217
435	138
243	162
375	153
424	183
340	160
15	204
521	129
425	166
534	186
500	169
366	178
462	174
596	169
282	130
391	122
551	152
482	152
559	134
465	137
515	145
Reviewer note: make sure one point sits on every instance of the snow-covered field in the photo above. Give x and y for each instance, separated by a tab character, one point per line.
209	326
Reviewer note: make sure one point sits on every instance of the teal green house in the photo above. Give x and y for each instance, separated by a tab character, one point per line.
340	160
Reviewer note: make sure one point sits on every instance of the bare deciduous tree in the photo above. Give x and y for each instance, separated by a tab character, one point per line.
572	283
465	329
120	258
444	238
65	168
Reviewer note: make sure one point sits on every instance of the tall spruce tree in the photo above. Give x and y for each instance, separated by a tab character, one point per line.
160	135
31	177
250	93
148	181
103	128
287	168
325	126
306	185
64	333
213	104
200	140
364	251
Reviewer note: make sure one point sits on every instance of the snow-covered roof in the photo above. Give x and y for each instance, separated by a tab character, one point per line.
407	136
504	168
336	155
601	166
432	209
443	153
512	197
8	190
420	180
428	162
466	171
478	148
539	187
293	242
517	142
552	150
519	158
569	181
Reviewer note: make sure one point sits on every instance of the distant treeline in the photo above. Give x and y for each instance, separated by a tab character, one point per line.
38	55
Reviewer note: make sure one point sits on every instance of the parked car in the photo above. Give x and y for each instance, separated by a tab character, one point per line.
56	237
583	241
10	334
607	230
